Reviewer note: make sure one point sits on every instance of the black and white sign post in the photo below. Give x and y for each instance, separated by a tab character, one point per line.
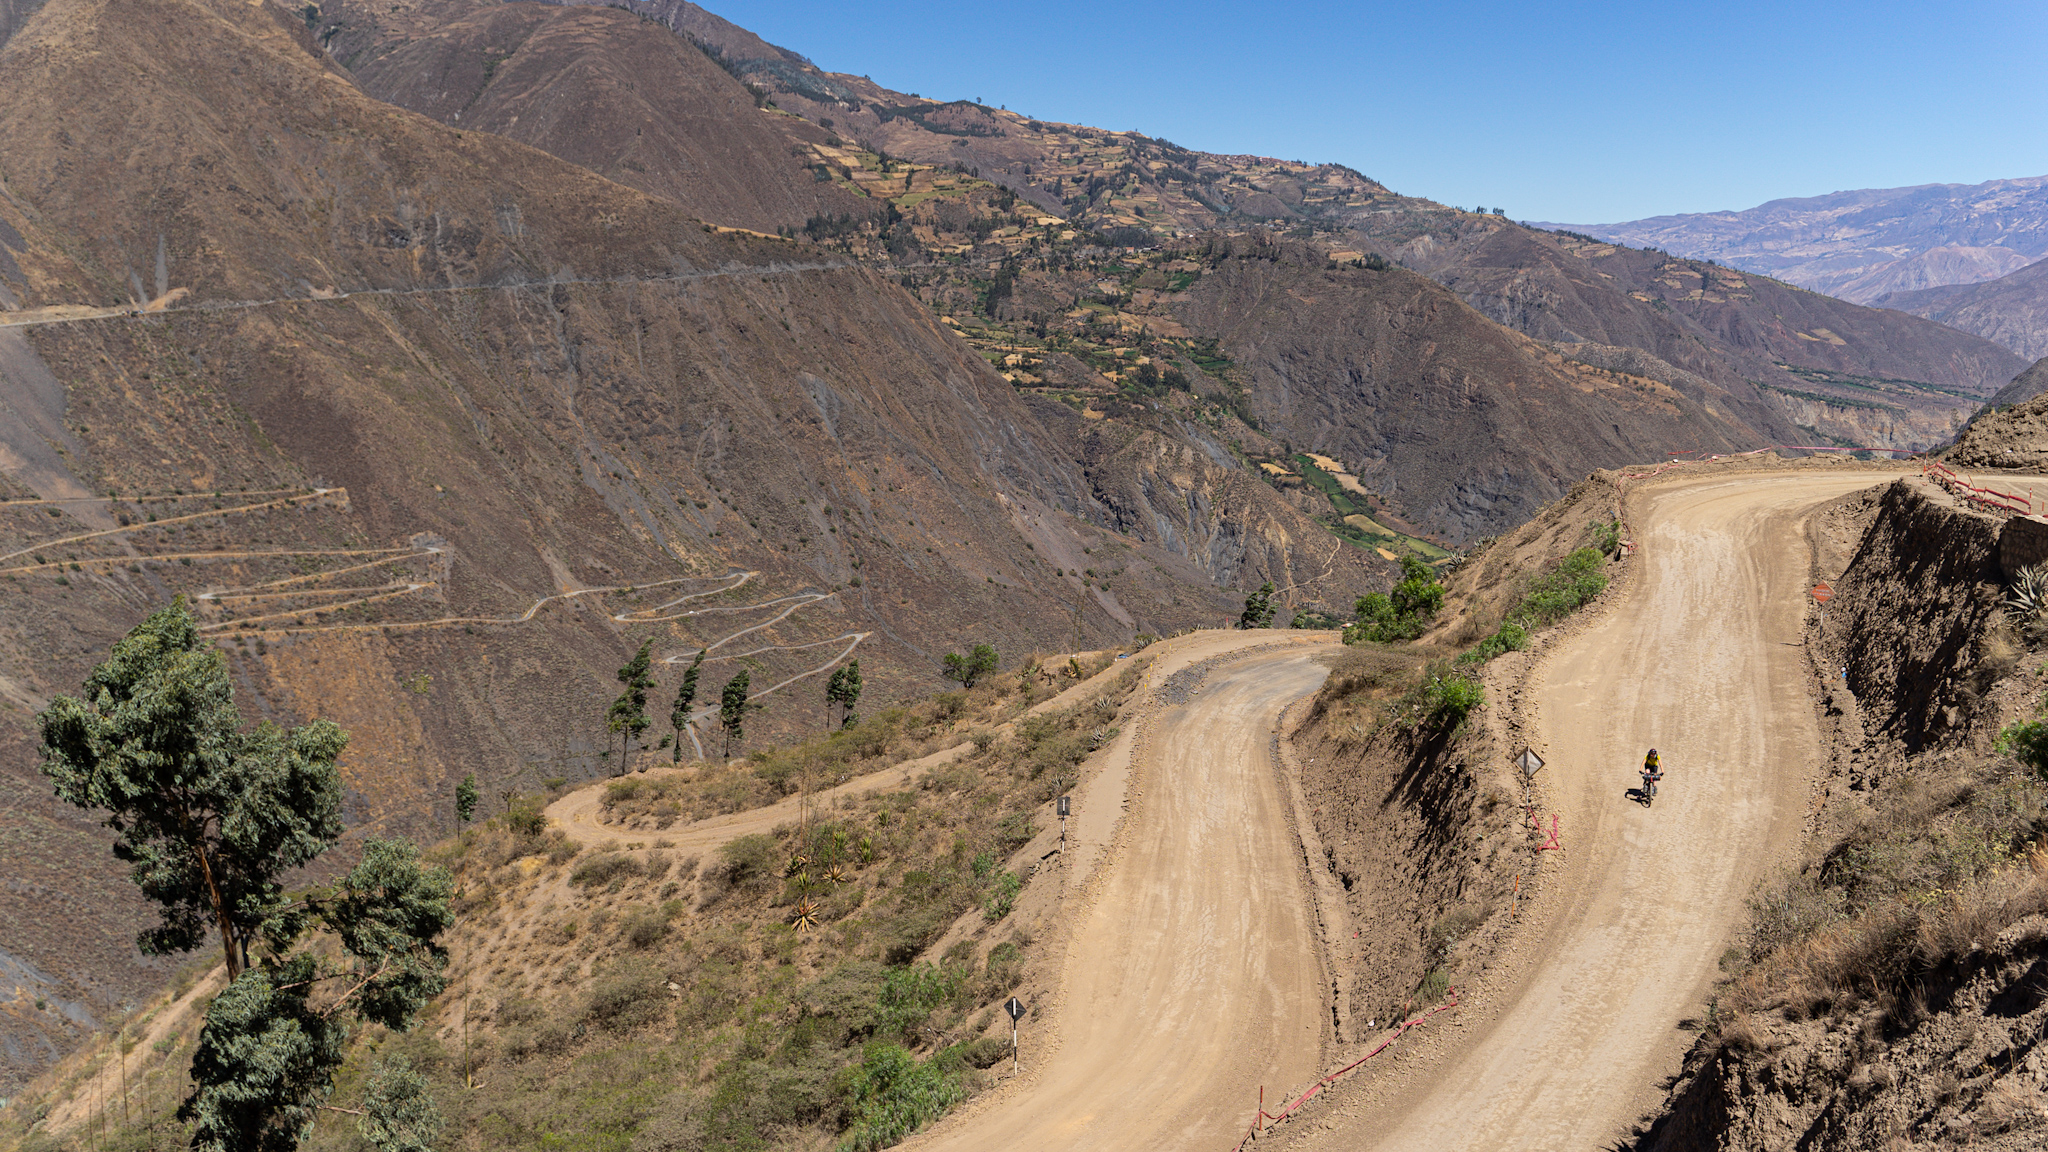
1016	1010
1066	809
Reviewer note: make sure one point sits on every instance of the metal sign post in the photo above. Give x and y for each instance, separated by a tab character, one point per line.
1016	1010
1066	808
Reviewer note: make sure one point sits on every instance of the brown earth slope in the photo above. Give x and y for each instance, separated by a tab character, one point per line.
601	88
1827	370
2011	310
440	427
1470	427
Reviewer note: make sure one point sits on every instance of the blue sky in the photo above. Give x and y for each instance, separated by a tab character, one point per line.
1582	113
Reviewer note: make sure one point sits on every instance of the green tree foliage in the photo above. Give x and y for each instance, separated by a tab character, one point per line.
733	707
2028	740
1552	597
465	799
843	691
1258	608
398	1113
1404	612
206	814
274	1038
969	669
686	698
628	713
891	1095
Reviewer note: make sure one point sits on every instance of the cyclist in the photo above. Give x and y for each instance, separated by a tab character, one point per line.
1653	771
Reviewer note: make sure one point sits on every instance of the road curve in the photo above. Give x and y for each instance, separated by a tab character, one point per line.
1700	658
1193	978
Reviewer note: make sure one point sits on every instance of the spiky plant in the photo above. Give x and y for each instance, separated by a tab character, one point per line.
2026	600
806	917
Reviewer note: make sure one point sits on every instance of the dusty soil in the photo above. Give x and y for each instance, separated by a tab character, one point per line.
1699	658
1192	975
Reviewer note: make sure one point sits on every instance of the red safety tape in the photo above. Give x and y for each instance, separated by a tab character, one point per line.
1326	1081
1991	499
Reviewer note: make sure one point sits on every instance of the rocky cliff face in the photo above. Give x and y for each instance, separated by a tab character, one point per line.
2012	431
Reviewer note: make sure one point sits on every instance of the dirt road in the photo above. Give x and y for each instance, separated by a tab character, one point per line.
1193	977
1701	659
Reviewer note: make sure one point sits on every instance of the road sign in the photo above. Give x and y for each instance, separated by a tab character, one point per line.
1066	806
1529	761
1015	1008
1821	593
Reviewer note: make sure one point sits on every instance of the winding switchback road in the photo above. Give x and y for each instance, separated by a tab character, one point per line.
1193	976
1700	658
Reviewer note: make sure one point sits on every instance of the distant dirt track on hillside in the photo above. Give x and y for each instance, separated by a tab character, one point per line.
1701	659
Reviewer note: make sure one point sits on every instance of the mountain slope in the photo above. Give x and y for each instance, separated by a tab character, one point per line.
600	88
1799	367
2011	310
1460	422
1860	245
436	428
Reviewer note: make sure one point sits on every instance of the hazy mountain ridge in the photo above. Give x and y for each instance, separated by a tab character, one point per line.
2011	310
1794	365
1860	245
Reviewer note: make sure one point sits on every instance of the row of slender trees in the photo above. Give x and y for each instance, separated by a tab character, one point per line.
626	718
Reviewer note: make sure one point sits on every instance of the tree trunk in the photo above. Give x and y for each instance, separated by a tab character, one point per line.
229	946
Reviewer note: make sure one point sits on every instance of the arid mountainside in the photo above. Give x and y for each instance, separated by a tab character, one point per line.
1825	368
597	87
435	428
2011	310
1863	244
1427	402
2012	432
1831	373
2025	386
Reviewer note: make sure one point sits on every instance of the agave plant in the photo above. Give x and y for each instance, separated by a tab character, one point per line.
806	917
2026	600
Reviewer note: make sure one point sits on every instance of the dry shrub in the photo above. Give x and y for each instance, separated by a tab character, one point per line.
628	996
1737	1034
2011	1105
604	869
1363	674
644	927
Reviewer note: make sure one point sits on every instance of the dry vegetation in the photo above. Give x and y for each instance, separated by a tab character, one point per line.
659	800
775	993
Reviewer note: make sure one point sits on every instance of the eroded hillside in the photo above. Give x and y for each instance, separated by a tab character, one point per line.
435	428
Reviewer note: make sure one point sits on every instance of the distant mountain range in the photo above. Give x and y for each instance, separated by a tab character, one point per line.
1865	244
1967	255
